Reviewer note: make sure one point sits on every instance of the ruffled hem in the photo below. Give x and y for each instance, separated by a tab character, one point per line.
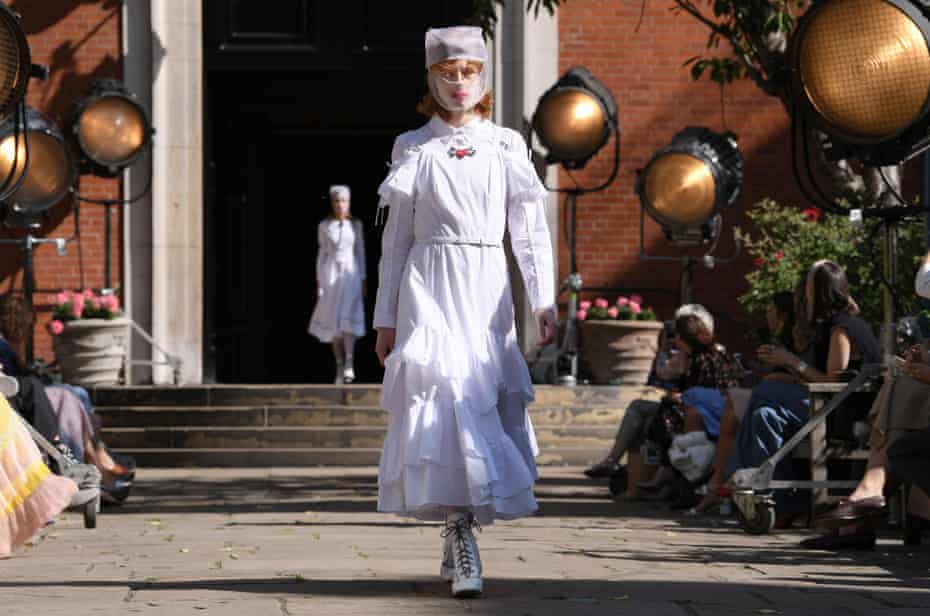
459	434
30	496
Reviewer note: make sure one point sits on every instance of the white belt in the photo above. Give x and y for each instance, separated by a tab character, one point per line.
459	241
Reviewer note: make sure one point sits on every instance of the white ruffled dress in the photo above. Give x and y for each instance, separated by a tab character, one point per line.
340	271
456	385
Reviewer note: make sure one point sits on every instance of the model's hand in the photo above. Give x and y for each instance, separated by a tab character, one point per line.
547	326
319	291
385	343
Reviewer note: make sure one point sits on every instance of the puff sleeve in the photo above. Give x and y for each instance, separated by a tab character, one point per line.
397	191
526	221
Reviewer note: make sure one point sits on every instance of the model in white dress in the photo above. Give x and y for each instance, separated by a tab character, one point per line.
460	446
339	314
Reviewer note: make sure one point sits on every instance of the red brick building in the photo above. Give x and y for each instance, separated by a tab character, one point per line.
258	108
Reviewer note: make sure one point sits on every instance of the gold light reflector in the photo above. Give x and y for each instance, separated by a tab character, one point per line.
680	190
48	176
15	62
865	67
571	123
111	130
50	172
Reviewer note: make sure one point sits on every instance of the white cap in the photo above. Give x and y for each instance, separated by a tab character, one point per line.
698	311
340	190
455	43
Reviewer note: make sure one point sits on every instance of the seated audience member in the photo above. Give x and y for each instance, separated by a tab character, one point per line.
780	328
672	365
841	341
901	408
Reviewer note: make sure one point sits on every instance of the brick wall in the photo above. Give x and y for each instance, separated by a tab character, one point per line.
657	97
79	40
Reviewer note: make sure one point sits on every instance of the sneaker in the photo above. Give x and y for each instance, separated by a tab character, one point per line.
466	572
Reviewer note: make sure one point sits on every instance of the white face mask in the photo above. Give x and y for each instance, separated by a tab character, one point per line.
458	90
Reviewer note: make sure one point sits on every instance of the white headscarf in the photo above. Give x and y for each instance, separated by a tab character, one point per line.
339	190
457	43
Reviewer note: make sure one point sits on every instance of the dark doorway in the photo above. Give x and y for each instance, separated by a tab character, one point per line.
300	94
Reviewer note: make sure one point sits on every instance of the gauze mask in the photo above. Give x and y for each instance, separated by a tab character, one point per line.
457	90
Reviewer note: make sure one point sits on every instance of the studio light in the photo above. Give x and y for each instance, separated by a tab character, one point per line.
687	184
574	118
15	62
111	127
860	71
38	161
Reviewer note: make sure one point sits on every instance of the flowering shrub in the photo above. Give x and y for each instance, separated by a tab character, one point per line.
788	240
624	309
69	306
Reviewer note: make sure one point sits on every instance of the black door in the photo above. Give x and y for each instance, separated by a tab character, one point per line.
300	94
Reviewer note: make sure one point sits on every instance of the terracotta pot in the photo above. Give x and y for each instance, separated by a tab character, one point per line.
92	351
620	352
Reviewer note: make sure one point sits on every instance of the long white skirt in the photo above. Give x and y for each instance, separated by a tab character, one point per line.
339	308
456	387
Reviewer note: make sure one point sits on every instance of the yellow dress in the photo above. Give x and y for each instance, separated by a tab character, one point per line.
30	495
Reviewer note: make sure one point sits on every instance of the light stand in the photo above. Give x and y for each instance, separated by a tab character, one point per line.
112	130
574	119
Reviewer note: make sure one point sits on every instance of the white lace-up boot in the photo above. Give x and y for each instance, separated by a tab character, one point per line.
466	561
447	568
348	373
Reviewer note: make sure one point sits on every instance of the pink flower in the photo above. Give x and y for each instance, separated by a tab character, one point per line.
87	293
758	262
585	305
601	303
779	255
56	327
62	298
110	302
613	312
581	315
636	299
635	307
95	303
77	305
622	301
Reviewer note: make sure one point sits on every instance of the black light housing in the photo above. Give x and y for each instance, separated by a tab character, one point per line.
574	118
39	162
111	127
15	61
860	72
687	184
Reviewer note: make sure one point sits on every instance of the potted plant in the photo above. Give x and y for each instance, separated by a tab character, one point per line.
619	340
89	336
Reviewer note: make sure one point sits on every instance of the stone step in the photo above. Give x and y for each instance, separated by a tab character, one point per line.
573	437
312	416
245	457
329	395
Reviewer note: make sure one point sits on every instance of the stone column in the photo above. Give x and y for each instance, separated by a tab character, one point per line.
137	216
526	52
177	189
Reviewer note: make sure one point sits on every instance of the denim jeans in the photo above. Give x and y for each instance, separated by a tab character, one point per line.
776	412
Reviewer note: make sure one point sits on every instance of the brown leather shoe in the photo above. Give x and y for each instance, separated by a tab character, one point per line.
849	511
